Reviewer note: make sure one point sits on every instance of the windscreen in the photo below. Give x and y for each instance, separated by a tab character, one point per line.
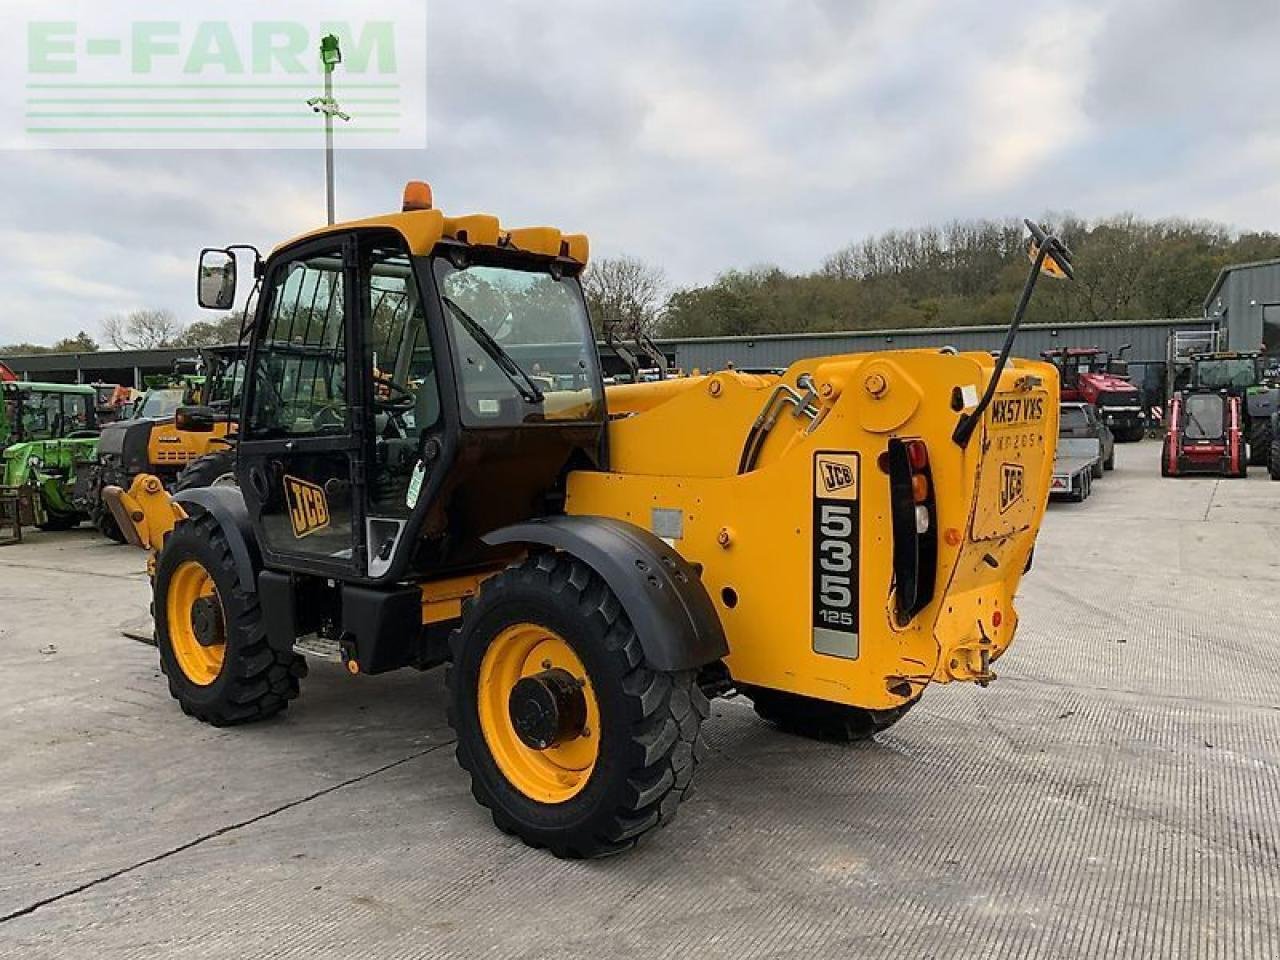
160	403
1239	372
1203	417
523	347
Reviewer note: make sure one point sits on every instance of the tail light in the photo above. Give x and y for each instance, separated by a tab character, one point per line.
915	537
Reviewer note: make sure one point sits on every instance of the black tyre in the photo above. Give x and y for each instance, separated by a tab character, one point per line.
99	514
106	523
1273	462
212	468
213	645
820	720
573	742
54	521
1129	434
1260	442
1110	462
1097	469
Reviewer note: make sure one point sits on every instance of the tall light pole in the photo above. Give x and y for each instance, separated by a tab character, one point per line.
330	57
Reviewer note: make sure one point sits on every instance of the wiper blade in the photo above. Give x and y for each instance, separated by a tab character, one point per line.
528	388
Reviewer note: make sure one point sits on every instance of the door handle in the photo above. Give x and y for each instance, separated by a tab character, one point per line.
258	481
288	445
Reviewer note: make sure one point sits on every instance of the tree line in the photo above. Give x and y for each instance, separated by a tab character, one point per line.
966	272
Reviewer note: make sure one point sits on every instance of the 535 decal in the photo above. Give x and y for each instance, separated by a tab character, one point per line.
835	554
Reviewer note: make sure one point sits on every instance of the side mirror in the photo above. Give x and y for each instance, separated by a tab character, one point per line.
195	419
216	283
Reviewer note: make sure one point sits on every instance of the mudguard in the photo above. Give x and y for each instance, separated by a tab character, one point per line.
226	505
673	617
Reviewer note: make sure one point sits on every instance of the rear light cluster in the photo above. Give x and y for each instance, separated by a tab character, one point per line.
921	492
915	539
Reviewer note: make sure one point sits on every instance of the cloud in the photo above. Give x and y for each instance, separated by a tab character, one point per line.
704	136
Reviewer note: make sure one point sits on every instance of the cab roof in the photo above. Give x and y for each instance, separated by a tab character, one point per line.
423	227
33	386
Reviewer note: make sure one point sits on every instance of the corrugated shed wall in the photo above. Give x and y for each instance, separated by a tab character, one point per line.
1242	301
1148	341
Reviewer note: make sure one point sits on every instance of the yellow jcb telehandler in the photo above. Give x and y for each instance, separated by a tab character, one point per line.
431	471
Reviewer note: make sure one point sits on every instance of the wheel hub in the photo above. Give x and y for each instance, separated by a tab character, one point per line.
547	709
206	622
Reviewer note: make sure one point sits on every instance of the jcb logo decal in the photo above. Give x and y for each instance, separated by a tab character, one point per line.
1008	411
308	506
1010	485
836	476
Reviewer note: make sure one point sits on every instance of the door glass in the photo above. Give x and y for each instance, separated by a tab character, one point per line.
301	385
406	395
299	395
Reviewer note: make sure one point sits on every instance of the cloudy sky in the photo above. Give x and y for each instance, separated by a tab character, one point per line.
706	135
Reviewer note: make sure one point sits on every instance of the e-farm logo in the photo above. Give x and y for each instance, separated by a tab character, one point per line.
145	74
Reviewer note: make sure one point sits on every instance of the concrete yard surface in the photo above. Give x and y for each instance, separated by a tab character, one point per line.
1115	793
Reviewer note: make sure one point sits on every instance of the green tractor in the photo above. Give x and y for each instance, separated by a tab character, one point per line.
1246	375
49	445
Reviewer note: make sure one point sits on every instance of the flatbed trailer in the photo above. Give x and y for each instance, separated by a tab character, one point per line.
1073	468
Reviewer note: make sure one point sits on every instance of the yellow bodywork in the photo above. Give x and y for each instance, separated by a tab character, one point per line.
170	448
679	466
423	229
678	452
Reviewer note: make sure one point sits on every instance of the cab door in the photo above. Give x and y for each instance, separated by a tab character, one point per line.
299	463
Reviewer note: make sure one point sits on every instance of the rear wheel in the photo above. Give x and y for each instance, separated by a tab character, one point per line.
1129	434
1273	463
213	469
1260	442
572	740
53	521
1097	469
821	720
209	628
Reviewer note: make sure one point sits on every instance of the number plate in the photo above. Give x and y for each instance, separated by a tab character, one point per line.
835	554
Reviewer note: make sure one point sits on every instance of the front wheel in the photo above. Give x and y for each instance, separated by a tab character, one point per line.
572	740
209	628
99	514
1273	462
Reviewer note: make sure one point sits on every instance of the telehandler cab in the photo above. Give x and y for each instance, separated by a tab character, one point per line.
430	470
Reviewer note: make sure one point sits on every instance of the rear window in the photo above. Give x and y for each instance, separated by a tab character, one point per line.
1073	418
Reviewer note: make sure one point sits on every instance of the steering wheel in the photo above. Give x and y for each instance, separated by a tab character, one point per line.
401	397
329	419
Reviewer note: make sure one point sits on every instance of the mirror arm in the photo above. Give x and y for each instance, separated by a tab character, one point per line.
969	421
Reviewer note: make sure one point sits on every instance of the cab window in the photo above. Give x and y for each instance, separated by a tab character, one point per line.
405	392
300	375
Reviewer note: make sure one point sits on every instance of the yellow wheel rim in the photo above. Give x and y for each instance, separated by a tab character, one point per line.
560	772
199	663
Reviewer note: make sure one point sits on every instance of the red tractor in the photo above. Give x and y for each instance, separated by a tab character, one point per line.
1091	375
1204	433
6	375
